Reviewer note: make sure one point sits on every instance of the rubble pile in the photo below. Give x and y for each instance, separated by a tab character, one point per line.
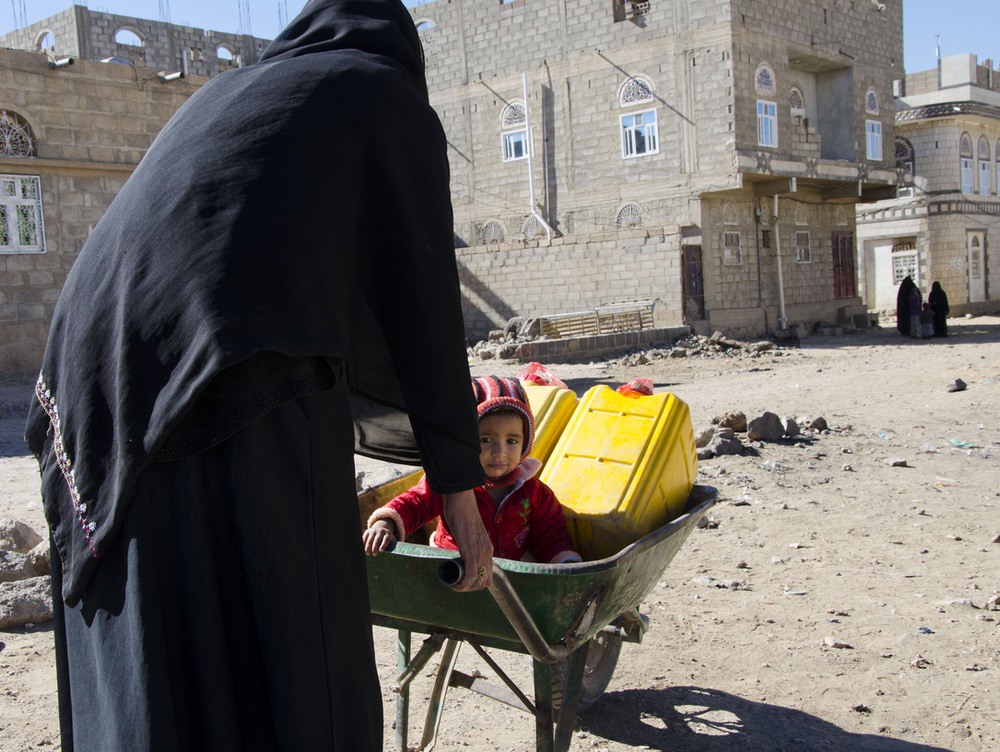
721	438
25	588
699	346
501	344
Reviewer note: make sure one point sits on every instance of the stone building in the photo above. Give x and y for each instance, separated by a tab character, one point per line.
945	224
92	35
604	152
69	139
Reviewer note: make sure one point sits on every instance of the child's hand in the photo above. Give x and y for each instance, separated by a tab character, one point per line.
379	537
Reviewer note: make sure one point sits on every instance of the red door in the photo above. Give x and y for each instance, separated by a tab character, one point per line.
843	265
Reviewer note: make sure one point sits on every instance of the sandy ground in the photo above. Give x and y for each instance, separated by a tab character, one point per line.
820	541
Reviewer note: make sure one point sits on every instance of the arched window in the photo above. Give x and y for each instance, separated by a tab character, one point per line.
730	214
493	231
796	102
629	216
224	52
46	42
983	153
905	158
965	163
640	132
871	102
801	215
16	139
532	229
636	90
514	126
424	24
764	82
129	38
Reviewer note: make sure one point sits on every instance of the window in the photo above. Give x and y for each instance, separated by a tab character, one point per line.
965	163
767	123
636	90
640	135
871	102
904	265
731	248
515	145
224	53
15	136
803	250
904	156
514	140
21	229
629	217
873	140
46	42
984	166
796	102
966	167
128	38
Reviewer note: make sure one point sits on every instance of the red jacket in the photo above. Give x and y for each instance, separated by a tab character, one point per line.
528	520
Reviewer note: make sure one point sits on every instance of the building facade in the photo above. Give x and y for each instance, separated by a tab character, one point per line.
86	34
945	224
69	139
707	154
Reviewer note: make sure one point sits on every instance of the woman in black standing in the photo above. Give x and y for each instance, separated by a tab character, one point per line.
903	306
938	299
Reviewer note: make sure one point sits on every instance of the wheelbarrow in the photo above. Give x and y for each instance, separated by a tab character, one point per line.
570	618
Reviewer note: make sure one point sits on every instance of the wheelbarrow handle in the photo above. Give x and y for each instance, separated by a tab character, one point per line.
451	571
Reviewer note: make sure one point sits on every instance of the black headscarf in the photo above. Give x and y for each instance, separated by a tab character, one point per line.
903	305
299	206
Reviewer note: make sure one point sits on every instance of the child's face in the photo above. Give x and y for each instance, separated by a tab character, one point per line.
501	439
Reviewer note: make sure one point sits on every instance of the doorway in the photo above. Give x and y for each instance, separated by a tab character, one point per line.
693	284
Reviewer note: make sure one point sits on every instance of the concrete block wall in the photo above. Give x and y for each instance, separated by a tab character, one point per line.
81	32
532	279
936	150
948	259
91	125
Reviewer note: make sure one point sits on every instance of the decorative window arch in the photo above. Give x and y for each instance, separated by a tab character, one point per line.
16	138
531	228
983	150
225	52
46	42
764	82
965	163
765	212
730	214
840	218
905	157
129	37
796	102
513	115
493	231
636	90
872	104
801	214
629	217
965	145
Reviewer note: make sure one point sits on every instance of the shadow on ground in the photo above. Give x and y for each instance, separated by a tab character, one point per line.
693	719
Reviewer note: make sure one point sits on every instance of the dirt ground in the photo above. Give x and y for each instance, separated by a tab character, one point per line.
842	603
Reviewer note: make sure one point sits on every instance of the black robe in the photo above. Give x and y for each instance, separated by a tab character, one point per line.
938	299
903	306
293	218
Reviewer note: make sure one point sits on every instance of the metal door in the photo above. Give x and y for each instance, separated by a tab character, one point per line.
693	284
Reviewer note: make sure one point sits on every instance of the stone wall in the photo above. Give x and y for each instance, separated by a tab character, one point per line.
91	125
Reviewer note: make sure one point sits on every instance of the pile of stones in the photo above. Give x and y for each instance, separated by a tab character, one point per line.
25	587
721	437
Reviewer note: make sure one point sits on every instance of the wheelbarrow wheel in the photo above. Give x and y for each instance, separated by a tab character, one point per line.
602	658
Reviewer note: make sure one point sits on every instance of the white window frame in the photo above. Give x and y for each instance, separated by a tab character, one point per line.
984	177
728	258
14	203
803	247
965	168
873	140
767	123
509	141
905	263
650	129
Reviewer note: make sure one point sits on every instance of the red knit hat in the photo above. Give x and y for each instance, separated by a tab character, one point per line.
495	392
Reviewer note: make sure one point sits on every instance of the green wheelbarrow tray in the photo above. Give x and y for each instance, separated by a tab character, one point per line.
547	610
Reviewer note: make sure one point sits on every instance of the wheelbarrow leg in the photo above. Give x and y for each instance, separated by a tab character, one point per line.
558	739
403	698
435	707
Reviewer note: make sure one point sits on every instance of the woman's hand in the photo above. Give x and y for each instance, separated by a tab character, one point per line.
462	515
379	537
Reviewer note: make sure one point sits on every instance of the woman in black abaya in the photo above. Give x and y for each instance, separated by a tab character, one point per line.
236	326
903	306
938	299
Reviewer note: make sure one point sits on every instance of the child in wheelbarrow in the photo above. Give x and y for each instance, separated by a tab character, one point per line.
521	514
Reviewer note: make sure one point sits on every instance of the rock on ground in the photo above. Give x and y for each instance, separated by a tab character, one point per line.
25	602
18	536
